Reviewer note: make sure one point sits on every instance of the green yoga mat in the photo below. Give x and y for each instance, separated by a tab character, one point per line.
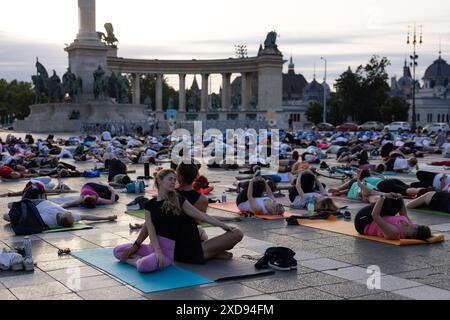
428	211
141	215
77	226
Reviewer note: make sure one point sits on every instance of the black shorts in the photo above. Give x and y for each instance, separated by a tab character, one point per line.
440	202
364	217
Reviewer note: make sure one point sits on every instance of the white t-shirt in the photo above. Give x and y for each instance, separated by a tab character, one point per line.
302	202
401	164
106	136
245	206
49	210
437	182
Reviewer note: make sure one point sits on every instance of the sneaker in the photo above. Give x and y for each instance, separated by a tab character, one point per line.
16	262
280	264
28	264
133	207
347	215
293	263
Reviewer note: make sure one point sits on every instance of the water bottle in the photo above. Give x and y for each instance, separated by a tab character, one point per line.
27	245
224	197
95	166
311	207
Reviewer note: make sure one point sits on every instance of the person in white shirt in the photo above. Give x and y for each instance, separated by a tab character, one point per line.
55	216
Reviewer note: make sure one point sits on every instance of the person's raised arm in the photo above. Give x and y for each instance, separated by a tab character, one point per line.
403	210
298	185
389	231
193	212
269	191
74	203
251	200
320	185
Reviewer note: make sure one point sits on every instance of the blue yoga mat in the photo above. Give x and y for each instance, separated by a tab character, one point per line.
167	279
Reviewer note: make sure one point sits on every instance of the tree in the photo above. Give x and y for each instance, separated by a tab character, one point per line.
148	88
15	99
394	109
315	112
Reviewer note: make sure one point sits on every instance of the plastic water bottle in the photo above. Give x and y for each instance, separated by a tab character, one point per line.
27	245
224	197
311	207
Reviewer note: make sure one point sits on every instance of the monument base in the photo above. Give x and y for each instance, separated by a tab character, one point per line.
55	117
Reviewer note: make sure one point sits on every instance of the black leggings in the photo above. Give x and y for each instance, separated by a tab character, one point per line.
364	217
393	185
425	179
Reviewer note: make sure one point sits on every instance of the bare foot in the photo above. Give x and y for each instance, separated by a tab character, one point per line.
224	256
136	226
112	218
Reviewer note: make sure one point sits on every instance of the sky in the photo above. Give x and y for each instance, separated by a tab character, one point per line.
346	33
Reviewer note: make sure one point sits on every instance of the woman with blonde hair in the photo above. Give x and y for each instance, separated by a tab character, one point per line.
171	225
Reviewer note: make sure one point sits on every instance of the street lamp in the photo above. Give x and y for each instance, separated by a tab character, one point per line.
324	92
414	64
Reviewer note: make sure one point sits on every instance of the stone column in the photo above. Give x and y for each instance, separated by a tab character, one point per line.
204	103
245	85
226	93
86	20
136	88
159	93
182	93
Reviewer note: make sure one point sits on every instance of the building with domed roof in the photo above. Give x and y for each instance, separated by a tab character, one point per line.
432	97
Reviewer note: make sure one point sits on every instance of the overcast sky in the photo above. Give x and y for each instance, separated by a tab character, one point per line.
346	33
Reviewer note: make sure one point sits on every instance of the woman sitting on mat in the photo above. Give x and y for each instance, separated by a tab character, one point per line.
170	223
252	200
436	201
93	194
308	187
381	220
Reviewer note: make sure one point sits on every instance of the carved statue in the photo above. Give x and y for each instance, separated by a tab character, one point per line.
171	103
270	44
192	103
40	81
124	89
38	89
55	92
113	86
109	38
214	102
235	102
148	103
70	84
100	83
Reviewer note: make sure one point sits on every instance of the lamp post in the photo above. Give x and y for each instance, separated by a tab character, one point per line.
414	64
324	92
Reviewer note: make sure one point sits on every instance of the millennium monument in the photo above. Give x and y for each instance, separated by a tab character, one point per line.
96	86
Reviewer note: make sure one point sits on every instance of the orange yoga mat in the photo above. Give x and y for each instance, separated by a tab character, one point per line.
348	228
232	207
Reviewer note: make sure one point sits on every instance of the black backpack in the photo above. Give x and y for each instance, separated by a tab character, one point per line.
25	218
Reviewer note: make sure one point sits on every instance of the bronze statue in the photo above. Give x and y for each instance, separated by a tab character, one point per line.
123	89
55	92
235	102
270	45
70	84
100	84
214	102
148	103
192	103
110	39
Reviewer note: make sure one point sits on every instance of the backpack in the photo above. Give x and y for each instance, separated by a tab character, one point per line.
34	190
278	258
25	218
136	187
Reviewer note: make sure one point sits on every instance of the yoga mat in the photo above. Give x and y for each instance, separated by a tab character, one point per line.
348	228
170	278
428	211
226	270
77	226
61	201
232	207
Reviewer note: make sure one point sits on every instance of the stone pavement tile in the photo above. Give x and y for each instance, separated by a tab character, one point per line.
391	283
58	236
39	291
382	296
393	266
230	291
444	284
111	243
318	279
263	297
60	264
306	294
276	284
63	275
74	244
181	294
307	235
5	294
348	290
425	293
248	242
323	264
331	252
350	273
100	236
302	255
47	257
295	232
112	293
61	297
441	227
358	259
21	279
424	276
91	283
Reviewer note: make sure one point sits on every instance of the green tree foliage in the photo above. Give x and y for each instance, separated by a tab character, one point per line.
15	99
314	113
394	109
148	88
362	95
